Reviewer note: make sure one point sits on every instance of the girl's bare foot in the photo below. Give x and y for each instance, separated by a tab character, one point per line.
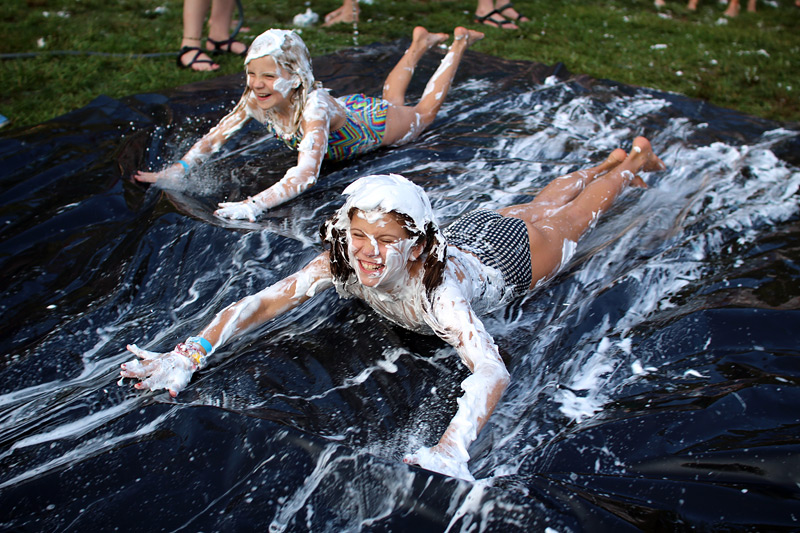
643	151
614	158
469	36
426	40
617	156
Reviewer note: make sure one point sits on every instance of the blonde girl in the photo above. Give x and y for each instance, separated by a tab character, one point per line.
282	94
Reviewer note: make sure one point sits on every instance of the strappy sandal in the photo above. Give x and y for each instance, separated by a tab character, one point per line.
497	23
224	47
194	61
514	20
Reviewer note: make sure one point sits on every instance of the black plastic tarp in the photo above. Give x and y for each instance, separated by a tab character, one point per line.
655	382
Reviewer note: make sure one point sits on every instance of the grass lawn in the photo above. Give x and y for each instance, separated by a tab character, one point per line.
749	63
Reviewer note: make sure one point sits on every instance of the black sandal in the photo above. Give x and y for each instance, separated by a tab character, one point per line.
198	51
495	23
514	20
219	46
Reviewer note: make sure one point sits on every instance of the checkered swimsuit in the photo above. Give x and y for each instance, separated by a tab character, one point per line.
498	241
362	131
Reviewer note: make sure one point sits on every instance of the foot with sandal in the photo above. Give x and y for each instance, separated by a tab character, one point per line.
502	16
193	57
219	40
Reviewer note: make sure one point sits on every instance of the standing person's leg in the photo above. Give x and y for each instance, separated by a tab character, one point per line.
405	123
733	8
219	29
486	13
396	84
548	236
347	12
191	55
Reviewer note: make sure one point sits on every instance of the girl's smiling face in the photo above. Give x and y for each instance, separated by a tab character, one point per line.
271	85
380	248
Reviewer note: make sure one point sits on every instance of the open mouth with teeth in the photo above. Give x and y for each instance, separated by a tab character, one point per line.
371	268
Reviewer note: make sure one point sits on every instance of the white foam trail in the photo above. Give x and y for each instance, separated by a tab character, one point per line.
79	427
86	449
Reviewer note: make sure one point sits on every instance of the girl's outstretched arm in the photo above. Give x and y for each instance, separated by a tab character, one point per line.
458	324
174	369
311	152
202	149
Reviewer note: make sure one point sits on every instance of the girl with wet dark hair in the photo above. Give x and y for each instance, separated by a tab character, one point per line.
385	247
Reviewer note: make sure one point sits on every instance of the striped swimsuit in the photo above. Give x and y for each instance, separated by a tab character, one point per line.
362	131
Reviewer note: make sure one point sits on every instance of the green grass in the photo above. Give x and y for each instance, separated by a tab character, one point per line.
749	63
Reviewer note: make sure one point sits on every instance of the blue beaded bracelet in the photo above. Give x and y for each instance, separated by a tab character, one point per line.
202	342
185	166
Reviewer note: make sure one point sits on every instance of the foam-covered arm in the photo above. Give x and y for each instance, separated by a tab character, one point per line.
173	370
209	144
218	135
458	324
310	153
257	309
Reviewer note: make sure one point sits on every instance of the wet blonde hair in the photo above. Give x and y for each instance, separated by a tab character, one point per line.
290	53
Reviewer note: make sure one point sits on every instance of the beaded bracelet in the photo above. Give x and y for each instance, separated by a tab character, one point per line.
207	347
192	351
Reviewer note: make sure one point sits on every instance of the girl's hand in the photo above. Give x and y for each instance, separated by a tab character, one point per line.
175	171
155	371
239	210
436	459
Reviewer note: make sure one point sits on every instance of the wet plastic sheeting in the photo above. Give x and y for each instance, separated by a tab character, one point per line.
654	382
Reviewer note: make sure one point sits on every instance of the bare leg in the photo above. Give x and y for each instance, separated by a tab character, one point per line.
692	5
396	84
347	12
510	12
485	13
751	6
438	86
561	190
549	235
405	123
219	26
194	15
733	9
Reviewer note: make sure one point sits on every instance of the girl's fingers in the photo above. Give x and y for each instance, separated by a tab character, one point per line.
138	369
142	354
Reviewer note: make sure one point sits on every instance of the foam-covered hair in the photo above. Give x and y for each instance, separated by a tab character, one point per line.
387	193
290	53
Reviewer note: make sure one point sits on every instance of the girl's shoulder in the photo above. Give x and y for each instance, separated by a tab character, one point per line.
318	96
320	103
